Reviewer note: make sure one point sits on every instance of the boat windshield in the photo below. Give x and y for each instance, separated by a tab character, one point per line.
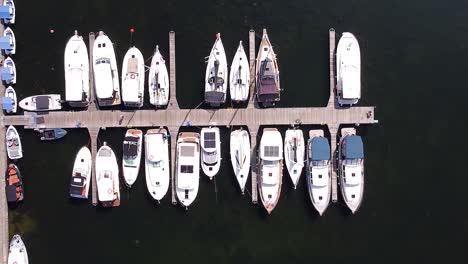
157	163
270	163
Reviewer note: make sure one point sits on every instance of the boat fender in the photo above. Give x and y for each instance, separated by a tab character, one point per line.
132	76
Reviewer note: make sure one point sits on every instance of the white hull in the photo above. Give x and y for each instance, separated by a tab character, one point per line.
131	163
216	80
52	102
17	253
76	63
211	151
348	70
157	163
82	168
10	92
294	148
9	33
158	80
9	63
13	144
187	168
12	19
133	78
107	177
240	156
239	80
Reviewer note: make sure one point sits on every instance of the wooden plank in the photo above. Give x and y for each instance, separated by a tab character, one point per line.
92	100
173	131
172	72
253	130
333	133
93	134
252	68
331	38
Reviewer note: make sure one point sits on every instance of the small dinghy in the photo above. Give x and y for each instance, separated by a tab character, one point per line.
158	80
9	101
133	78
8	71
211	151
107	177
17	253
239	80
46	102
216	75
8	42
8	12
76	62
294	154
240	156
131	157
14	185
13	144
51	133
187	167
81	175
157	163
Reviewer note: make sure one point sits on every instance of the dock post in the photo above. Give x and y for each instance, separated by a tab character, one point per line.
334	178
252	68
331	38
93	134
173	134
92	103
172	74
253	130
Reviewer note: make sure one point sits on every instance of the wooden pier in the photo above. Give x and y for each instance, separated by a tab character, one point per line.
253	162
93	134
92	100
172	75
252	68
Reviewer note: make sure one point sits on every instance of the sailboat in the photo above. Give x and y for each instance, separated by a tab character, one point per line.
76	72
187	167
106	75
9	71
294	154
9	101
239	80
216	75
9	9
131	158
45	102
211	151
271	168
107	177
13	144
133	78
14	185
157	162
348	70
318	170
240	156
81	174
8	42
158	80
47	134
17	253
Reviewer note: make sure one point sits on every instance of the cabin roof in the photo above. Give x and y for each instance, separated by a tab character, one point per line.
6	73
7	103
354	148
42	102
320	149
5	12
5	43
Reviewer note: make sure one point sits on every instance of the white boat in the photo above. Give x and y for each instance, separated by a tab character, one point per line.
348	70
239	81
45	102
76	63
8	42
9	10
107	177
9	71
294	148
106	75
271	168
240	156
187	167
81	175
211	151
351	168
10	98
131	157
318	170
216	75
157	162
13	143
17	253
158	80
133	78
267	78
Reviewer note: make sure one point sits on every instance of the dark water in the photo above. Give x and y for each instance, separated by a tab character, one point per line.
414	68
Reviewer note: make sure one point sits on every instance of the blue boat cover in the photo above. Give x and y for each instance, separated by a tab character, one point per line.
7	103
6	74
5	43
5	12
320	149
354	148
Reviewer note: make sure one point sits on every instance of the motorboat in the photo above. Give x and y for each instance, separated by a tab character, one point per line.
239	77
158	80
8	12
216	75
319	168
17	253
271	168
133	78
131	159
348	70
106	75
9	101
51	133
211	151
13	144
8	42
42	103
240	156
187	167
157	168
107	177
76	62
81	175
8	71
351	168
14	185
294	148
267	76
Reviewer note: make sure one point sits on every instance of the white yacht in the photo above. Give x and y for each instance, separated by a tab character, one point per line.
131	157
211	151
81	175
133	78
8	42
9	71
9	102
267	78
271	168
187	167
76	62
240	156
45	102
158	80
348	70
17	253
8	11
351	168
157	168
294	148
13	144
106	75
216	75
239	77
318	170
107	177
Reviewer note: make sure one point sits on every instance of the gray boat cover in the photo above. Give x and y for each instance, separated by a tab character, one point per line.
320	149
353	148
214	97
130	148
11	193
42	102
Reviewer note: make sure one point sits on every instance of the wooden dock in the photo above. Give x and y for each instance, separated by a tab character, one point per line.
92	100
252	68
173	131
93	134
172	74
253	130
332	47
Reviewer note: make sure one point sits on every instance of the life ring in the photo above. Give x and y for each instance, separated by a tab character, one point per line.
109	191
132	76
